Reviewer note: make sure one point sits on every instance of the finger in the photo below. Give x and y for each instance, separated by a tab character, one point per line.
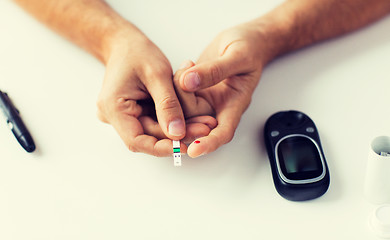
195	128
123	115
151	127
211	72
187	100
132	134
227	123
199	127
168	110
195	131
209	121
191	104
158	148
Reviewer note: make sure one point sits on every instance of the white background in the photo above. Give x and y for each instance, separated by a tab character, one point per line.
83	183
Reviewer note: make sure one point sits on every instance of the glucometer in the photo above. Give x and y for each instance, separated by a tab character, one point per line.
298	164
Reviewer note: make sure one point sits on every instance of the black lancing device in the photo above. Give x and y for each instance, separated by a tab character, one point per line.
298	164
15	123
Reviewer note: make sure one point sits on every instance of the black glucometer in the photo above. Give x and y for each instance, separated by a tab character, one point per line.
297	160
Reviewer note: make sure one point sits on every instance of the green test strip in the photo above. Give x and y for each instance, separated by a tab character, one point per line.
176	153
176	150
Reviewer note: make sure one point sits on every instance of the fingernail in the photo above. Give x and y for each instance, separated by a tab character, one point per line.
185	64
192	81
176	128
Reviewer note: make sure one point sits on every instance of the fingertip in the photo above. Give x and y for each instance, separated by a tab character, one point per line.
195	131
177	129
209	73
191	81
186	64
195	78
197	148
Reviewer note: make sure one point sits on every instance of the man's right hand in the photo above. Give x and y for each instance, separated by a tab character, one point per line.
138	98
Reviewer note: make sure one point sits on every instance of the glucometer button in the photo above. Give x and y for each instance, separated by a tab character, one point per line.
380	221
274	133
309	129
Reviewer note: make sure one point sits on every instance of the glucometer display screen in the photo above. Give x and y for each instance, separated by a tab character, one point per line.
299	158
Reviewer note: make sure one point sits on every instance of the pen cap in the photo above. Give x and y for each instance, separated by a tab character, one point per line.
377	180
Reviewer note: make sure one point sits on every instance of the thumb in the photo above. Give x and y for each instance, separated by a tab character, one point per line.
168	110
209	73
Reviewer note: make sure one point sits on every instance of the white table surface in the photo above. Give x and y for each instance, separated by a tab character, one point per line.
83	183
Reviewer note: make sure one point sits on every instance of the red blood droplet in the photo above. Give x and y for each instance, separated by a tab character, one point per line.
197	141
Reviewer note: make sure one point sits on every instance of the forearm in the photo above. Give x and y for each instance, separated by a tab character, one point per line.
298	23
91	24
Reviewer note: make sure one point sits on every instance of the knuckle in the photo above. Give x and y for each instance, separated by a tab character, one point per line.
169	103
109	107
148	71
152	71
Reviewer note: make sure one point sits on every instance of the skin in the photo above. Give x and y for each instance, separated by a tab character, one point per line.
137	94
206	99
230	67
231	59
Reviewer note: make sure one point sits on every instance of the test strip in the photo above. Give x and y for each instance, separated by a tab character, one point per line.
176	153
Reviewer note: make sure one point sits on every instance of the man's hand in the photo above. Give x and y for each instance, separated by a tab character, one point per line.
229	69
138	99
224	77
137	76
